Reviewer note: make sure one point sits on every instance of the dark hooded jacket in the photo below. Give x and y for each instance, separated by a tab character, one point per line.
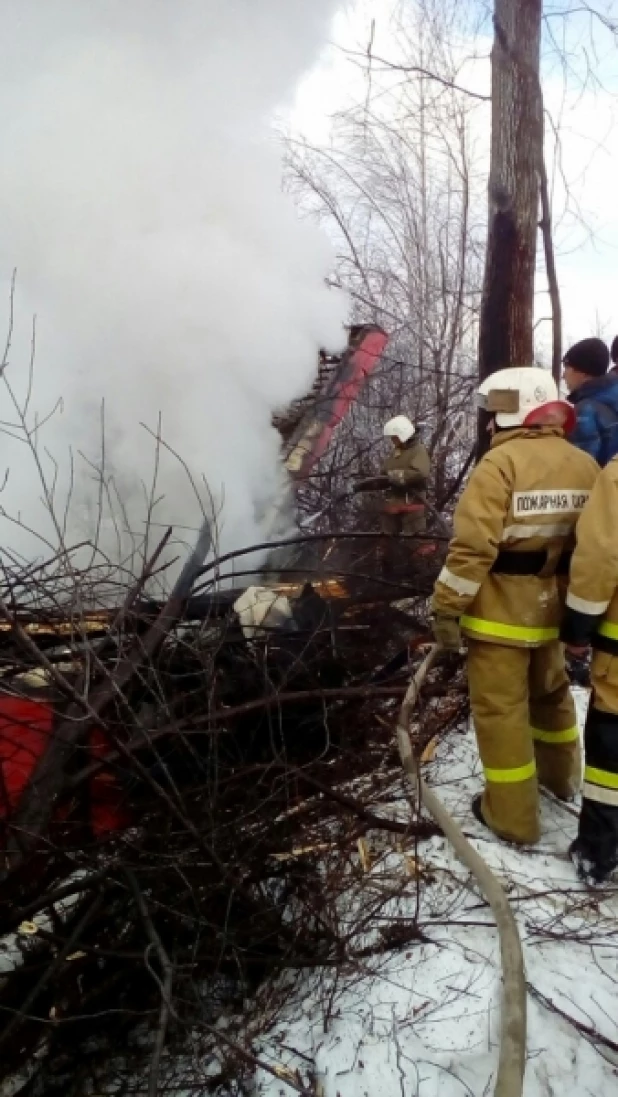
596	407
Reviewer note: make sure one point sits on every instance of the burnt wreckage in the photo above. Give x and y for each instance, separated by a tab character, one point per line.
303	622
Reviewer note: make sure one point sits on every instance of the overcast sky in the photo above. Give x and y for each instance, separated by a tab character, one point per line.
586	111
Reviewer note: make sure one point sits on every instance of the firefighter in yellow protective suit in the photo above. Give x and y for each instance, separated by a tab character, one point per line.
403	480
592	618
407	469
514	528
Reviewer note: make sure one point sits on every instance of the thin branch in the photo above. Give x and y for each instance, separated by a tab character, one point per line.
165	985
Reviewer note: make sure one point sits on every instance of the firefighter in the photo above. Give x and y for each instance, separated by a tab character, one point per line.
407	471
591	618
514	530
402	484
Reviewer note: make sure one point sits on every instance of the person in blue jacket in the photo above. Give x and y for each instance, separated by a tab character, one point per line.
594	394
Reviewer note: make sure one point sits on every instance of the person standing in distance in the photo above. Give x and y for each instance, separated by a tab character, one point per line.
594	394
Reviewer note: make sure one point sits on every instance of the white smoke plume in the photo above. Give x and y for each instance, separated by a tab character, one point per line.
141	204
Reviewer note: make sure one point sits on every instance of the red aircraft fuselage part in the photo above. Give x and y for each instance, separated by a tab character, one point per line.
26	726
311	438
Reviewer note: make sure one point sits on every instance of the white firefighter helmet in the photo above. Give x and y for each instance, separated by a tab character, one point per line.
525	396
400	427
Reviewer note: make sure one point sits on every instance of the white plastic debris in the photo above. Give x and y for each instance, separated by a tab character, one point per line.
261	609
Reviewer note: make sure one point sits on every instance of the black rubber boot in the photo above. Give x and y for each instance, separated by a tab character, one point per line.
591	871
477	810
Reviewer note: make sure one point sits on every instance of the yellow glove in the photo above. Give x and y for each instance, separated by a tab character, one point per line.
446	632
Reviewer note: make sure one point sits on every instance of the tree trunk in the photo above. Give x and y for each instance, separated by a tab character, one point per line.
507	309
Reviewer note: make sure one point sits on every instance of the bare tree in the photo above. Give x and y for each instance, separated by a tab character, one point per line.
398	190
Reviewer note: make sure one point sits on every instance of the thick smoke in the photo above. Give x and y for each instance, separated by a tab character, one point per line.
141	204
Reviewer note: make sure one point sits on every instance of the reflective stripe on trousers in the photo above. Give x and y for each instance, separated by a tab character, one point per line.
524	773
567	736
527	634
601	772
524	720
510	776
601	786
597	839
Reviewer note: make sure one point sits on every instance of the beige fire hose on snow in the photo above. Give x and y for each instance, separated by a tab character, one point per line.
512	1057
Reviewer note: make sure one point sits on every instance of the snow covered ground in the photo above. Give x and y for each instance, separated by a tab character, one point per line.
423	1021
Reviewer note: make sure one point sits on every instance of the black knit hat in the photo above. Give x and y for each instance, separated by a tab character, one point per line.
614	351
589	356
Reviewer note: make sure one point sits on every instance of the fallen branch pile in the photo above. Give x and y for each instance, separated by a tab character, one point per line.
204	818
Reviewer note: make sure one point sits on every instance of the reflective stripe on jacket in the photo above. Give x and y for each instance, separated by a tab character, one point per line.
523	499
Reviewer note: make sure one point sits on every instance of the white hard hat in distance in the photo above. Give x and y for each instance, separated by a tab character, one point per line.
400	427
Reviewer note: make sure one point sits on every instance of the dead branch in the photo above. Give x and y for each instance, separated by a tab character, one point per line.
165	985
591	1034
377	821
418	70
552	277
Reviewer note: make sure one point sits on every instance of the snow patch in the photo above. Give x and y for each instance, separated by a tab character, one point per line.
425	1021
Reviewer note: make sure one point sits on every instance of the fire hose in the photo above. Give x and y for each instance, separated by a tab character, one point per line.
512	1054
382	483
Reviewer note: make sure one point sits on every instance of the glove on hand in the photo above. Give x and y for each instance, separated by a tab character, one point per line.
446	632
397	476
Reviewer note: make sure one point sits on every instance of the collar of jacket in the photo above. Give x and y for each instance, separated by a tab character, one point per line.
525	432
596	388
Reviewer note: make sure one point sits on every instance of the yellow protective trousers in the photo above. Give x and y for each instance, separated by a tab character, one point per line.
526	731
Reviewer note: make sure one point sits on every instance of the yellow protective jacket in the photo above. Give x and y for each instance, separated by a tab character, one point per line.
413	461
592	598
514	527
